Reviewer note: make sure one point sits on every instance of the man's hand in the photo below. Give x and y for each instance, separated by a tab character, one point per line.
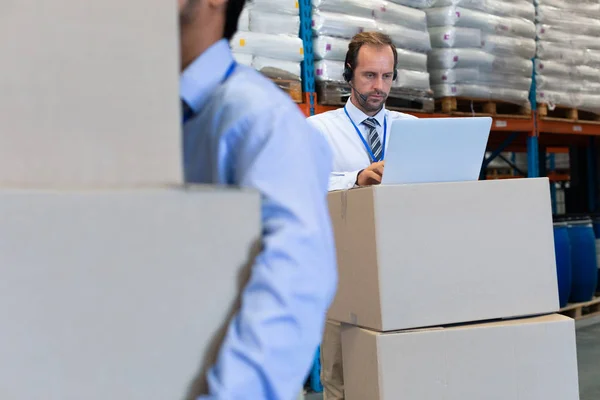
371	175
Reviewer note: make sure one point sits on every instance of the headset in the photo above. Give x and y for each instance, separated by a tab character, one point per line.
349	74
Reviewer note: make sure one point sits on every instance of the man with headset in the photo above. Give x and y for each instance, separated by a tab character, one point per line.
357	135
240	129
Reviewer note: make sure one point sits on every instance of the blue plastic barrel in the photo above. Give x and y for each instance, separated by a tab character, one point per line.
562	250
583	260
597	228
597	233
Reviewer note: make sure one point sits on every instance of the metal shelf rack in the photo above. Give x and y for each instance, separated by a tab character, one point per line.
509	134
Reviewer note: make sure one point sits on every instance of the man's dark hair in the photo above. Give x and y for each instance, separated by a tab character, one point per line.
232	16
368	38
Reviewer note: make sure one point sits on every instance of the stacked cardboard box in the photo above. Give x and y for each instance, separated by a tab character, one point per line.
335	22
108	261
447	291
482	49
268	40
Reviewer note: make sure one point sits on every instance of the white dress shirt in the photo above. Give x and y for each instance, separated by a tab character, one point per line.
350	155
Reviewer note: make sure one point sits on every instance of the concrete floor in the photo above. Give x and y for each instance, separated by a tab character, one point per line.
588	356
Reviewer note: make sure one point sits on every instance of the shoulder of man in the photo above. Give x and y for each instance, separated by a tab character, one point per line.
252	97
250	92
398	115
328	115
324	122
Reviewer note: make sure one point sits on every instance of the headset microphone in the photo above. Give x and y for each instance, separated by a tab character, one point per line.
362	96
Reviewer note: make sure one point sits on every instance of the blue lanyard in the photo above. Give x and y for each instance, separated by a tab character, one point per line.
367	146
188	112
229	72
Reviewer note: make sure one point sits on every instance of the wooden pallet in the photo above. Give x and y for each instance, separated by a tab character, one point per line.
468	106
407	100
585	310
292	87
566	113
501	173
410	100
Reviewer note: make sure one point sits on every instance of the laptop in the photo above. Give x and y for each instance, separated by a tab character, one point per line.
435	150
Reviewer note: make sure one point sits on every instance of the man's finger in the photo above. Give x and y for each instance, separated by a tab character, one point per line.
374	178
378	169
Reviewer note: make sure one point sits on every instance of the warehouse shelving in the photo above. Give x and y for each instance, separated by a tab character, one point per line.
509	133
308	65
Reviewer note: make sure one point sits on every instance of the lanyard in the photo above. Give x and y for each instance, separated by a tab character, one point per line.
367	146
229	72
188	112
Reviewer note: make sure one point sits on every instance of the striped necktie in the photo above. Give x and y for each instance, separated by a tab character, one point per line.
374	141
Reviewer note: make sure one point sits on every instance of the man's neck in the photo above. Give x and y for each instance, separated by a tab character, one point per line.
194	42
357	104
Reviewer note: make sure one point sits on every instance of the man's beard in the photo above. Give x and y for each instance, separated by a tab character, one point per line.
370	107
188	13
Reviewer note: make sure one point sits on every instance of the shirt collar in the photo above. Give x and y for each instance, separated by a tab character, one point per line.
358	116
204	74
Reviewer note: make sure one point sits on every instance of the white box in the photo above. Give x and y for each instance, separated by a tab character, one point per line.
89	94
532	359
412	256
118	294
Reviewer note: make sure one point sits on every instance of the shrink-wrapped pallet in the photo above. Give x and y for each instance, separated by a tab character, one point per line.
482	49
335	22
332	71
506	45
281	47
330	48
275	24
268	40
278	69
567	63
464	17
340	25
453	37
378	10
512	8
284	7
415	3
244	59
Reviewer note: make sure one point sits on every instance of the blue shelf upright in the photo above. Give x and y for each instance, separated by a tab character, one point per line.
308	65
533	150
552	167
533	157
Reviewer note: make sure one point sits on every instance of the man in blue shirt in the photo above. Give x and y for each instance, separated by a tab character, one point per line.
240	129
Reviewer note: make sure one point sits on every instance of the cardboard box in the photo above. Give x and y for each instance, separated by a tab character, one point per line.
533	359
89	94
118	294
412	256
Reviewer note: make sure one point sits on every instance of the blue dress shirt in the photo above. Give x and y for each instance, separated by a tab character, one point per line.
247	132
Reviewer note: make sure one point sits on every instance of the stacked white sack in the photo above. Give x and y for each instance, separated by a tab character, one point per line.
335	22
567	65
268	38
482	49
